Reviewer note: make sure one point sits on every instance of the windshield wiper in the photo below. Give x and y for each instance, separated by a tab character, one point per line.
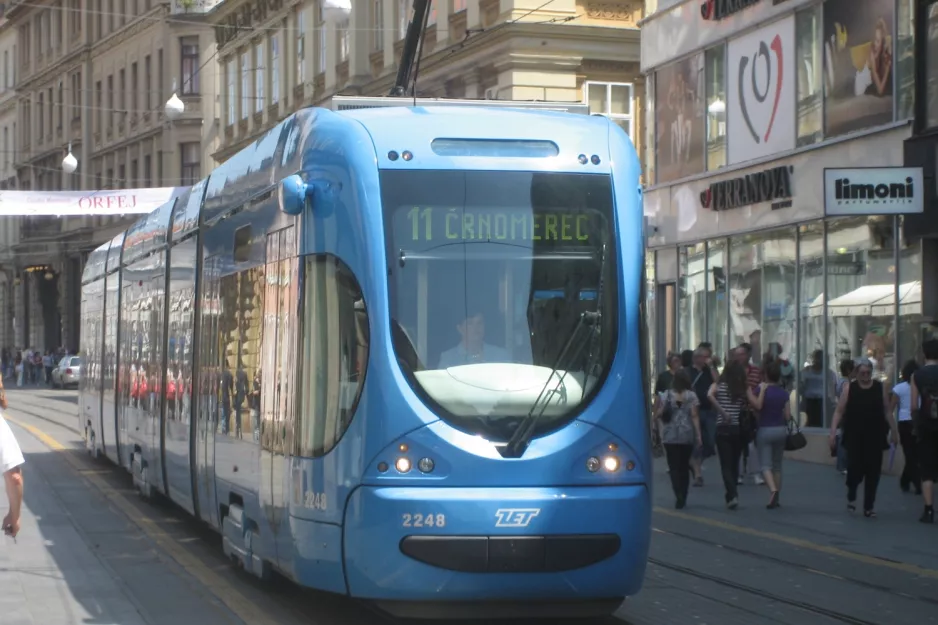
525	430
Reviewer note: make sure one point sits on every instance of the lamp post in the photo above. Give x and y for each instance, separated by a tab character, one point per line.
69	163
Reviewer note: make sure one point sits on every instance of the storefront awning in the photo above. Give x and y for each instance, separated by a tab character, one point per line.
875	300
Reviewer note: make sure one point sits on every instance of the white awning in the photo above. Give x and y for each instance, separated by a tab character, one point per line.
875	300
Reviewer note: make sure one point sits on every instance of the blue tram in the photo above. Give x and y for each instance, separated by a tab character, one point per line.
393	352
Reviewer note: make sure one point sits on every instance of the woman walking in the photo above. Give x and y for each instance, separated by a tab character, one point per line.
680	432
902	406
773	404
730	397
864	410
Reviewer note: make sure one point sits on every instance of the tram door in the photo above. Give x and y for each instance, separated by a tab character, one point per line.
209	372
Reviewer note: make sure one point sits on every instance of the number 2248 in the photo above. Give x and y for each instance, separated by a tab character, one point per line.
423	520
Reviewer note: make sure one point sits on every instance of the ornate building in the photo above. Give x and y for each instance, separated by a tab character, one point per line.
94	75
277	56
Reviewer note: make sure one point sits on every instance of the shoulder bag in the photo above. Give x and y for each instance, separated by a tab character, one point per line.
795	439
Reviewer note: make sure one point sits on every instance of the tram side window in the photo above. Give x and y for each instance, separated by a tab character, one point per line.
334	356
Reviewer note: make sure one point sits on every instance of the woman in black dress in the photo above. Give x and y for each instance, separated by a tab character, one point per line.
867	423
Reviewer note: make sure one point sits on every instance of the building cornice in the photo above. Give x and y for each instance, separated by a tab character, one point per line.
62	66
144	22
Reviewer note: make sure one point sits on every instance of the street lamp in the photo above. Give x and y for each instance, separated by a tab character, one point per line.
174	107
717	107
69	163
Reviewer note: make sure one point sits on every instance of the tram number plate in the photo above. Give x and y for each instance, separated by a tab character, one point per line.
423	520
315	501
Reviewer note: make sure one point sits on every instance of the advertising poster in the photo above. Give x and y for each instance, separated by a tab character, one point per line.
679	119
760	88
858	64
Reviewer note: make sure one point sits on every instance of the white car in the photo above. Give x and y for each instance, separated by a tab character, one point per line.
67	373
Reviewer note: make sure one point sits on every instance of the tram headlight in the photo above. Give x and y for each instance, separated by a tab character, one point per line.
402	465
425	465
611	464
593	464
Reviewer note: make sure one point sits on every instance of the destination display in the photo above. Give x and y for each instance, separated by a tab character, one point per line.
427	224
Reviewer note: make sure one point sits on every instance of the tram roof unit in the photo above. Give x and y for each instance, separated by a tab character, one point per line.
350	103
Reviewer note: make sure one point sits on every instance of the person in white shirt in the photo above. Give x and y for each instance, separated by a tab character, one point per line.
902	404
11	462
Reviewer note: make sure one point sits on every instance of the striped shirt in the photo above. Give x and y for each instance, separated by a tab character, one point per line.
731	405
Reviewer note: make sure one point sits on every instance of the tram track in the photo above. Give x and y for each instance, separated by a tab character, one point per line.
801	567
764	594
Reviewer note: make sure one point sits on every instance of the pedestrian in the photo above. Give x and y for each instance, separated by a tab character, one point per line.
730	397
702	376
867	421
666	377
11	463
680	433
773	405
902	406
924	401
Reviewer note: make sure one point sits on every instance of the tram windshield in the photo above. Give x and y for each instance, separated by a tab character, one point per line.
490	275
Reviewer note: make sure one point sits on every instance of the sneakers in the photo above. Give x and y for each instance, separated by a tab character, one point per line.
758	480
733	503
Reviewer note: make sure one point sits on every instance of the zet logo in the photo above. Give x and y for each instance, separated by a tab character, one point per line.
515	517
760	79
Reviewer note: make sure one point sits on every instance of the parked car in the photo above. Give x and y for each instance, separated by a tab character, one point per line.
67	373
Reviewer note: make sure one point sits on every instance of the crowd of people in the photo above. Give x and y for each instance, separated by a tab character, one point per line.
743	415
30	366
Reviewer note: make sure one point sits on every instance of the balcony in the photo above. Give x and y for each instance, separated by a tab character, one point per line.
193	104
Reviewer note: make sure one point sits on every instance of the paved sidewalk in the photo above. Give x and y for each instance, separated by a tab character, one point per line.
78	560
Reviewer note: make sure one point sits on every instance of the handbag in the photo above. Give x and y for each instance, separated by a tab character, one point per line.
795	439
747	425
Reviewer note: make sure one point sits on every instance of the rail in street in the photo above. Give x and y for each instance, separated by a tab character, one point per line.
91	551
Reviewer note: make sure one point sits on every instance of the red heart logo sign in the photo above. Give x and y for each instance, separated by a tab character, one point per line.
760	95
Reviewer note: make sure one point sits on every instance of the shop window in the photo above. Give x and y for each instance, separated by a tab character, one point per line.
762	308
809	67
931	67
859	68
912	328
811	316
334	353
612	100
715	68
692	313
716	298
679	119
905	59
860	291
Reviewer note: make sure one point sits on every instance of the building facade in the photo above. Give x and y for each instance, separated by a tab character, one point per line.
780	194
93	76
276	56
9	226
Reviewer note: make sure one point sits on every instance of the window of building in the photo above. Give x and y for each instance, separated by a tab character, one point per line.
76	96
342	37
133	174
121	181
159	167
60	108
232	87
931	66
274	68
160	80
809	66
335	330
301	47
42	118
614	100
189	59
98	106
323	38
99	15
377	24
905	59
191	161
404	11
692	300
715	75
259	77
134	89
6	69
431	19
147	171
122	91
245	86
110	102
147	83
459	5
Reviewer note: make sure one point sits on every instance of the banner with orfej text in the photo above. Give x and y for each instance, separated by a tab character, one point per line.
77	203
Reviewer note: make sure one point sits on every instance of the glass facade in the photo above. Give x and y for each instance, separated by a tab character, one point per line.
820	292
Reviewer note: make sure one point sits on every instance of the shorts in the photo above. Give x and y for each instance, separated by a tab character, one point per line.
770	442
928	455
708	435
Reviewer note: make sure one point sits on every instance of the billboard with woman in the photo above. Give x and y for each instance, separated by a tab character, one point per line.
858	64
679	120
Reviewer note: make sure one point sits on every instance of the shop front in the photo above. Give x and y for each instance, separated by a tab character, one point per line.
807	252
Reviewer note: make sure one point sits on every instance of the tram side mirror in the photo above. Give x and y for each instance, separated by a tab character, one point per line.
292	193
